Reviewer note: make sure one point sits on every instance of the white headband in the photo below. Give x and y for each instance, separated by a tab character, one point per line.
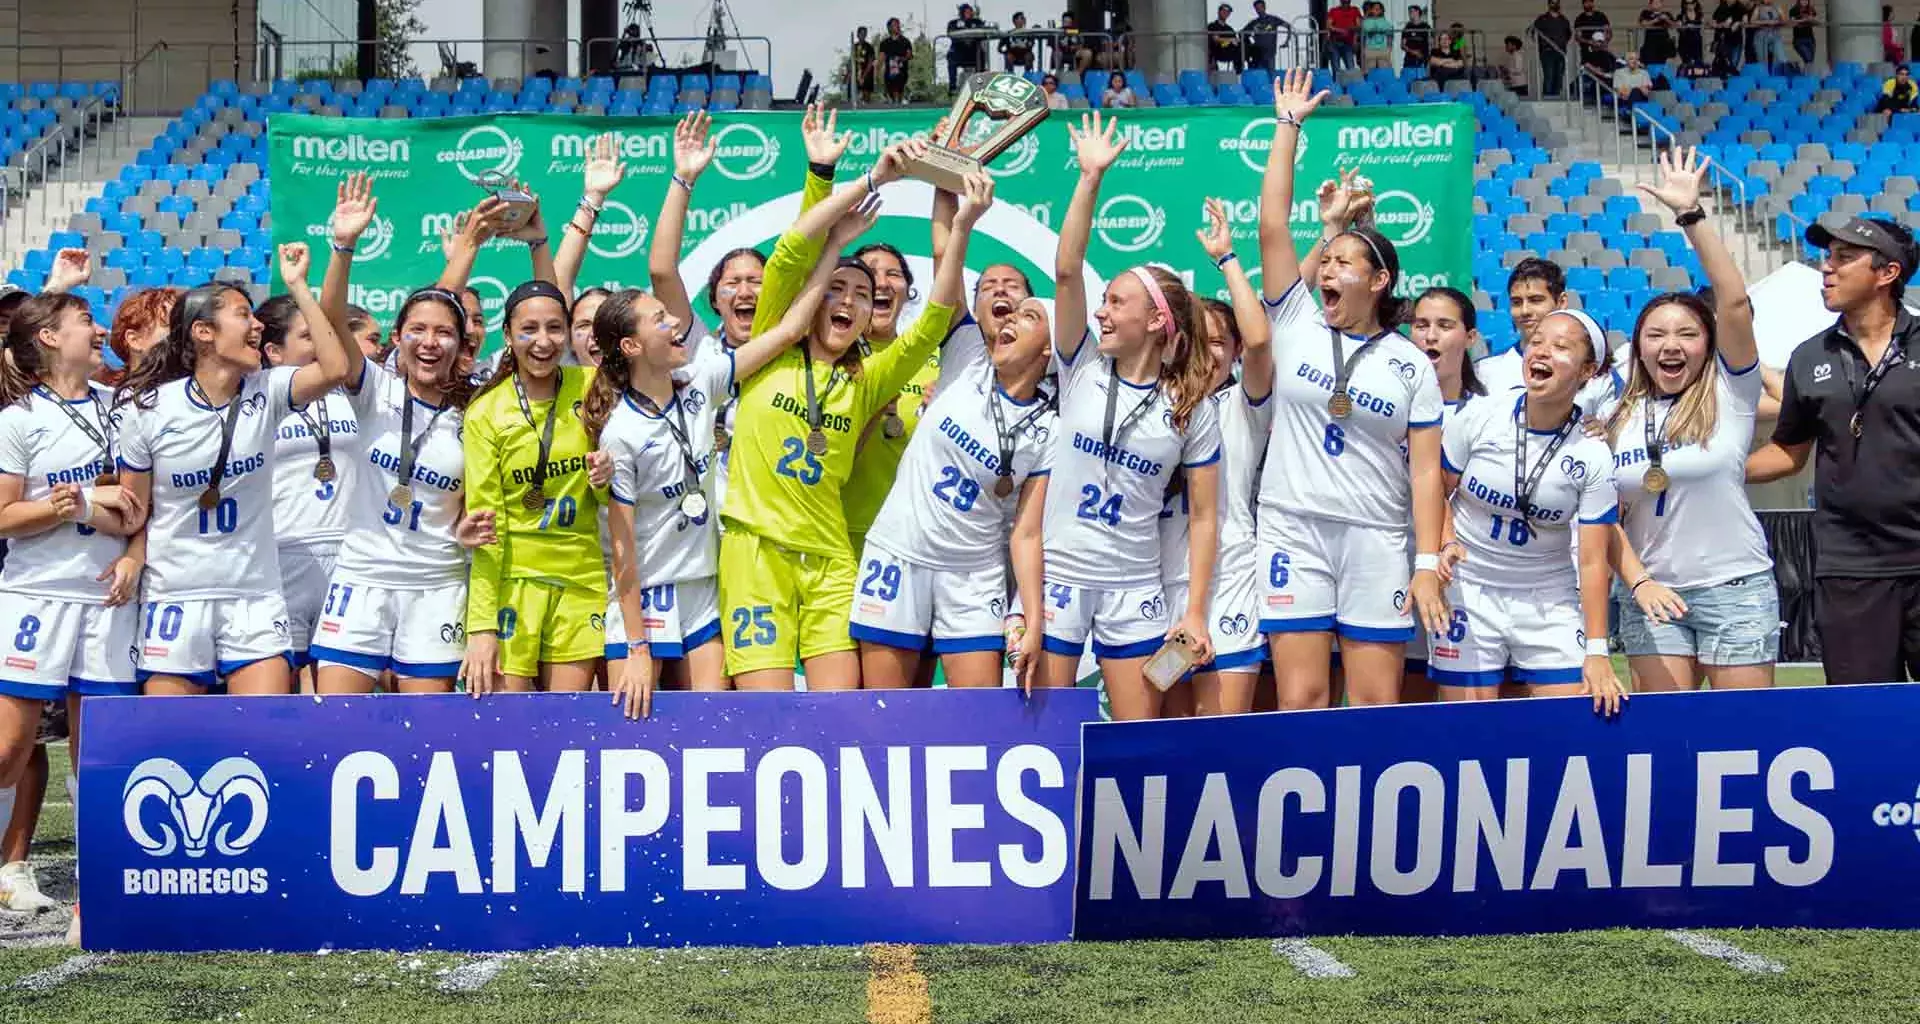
1596	335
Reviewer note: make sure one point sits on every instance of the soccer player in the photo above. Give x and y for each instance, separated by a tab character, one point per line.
68	629
1536	288
1353	455
786	558
1703	603
1523	477
197	450
1133	412
884	439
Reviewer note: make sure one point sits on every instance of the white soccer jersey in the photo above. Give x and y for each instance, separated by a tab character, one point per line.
1353	468
650	470
965	346
1506	372
942	512
1102	523
710	345
1503	548
1243	438
411	548
227	551
305	509
1702	530
41	444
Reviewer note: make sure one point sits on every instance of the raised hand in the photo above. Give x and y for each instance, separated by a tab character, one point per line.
534	228
692	146
1094	142
1682	170
892	165
857	221
818	131
604	170
977	199
473	228
353	208
1346	202
1295	99
1217	237
295	262
71	269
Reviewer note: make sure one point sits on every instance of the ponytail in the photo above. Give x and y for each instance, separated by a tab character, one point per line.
1186	367
173	358
26	362
617	318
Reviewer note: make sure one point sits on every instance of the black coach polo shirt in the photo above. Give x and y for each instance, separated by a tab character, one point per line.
1866	519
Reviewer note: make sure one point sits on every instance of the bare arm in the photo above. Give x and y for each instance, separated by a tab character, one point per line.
1293	103
692	152
462	243
22	518
1775	461
1256	332
1682	173
353	210
334	360
603	174
763	347
1097	148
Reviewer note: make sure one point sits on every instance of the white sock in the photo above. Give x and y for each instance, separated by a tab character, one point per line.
73	791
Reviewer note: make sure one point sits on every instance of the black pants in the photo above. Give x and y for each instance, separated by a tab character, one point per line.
1553	71
1869	628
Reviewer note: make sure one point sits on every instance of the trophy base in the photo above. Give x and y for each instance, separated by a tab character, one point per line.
944	168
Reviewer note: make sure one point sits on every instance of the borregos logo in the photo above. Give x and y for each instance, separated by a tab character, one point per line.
352	148
484	149
743	152
1397	135
619	232
1402	217
1128	223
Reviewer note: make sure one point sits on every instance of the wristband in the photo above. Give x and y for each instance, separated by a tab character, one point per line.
86	505
683	183
1641	582
585	205
821	170
1688	218
1427	562
1288	118
346	249
1224	260
871	187
1598	649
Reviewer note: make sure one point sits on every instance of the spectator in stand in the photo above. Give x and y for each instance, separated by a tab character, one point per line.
1632	85
1899	94
1656	33
1016	48
1343	35
896	57
1223	43
1553	35
964	55
1890	37
1075	51
1446	64
1118	93
862	56
1852	400
1263	37
1763	33
1051	86
1513	70
1805	15
1729	43
1599	65
1594	30
1376	37
1692	46
1416	39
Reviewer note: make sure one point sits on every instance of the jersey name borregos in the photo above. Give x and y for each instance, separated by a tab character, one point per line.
307	510
388	545
43	446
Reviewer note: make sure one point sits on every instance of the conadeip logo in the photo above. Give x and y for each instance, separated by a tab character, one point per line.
352	148
620	232
483	149
1402	217
1900	814
1128	223
743	152
1017	160
168	812
374	242
1395	135
1255	141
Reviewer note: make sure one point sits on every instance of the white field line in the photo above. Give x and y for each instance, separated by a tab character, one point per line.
473	975
1310	960
60	973
1720	949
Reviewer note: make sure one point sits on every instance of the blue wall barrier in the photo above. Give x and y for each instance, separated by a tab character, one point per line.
520	822
1775	808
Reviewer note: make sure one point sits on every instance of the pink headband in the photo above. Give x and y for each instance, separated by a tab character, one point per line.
1159	298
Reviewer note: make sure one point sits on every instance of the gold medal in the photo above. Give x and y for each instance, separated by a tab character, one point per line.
535	500
1003	486
1854	424
324	470
720	438
817	441
209	498
400	496
1340	405
1657	480
892	426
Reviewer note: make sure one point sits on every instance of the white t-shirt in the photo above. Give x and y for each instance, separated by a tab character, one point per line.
1352	469
1506	371
1503	548
41	444
650	470
709	345
228	551
306	511
1702	531
1102	523
387	546
1243	436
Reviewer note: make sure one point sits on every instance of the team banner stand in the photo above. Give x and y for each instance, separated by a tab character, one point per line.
531	821
1783	808
427	171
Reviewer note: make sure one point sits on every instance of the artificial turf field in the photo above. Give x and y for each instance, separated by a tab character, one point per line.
1774	976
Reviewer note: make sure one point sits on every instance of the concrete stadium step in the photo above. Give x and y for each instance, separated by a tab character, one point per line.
47	206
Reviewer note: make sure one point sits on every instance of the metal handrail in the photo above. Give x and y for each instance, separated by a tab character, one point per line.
1316	52
575	52
1731	217
1100	42
129	75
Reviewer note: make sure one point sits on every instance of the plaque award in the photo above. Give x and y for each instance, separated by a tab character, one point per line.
991	113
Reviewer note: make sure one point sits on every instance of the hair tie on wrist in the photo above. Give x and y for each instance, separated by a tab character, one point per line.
1224	260
683	183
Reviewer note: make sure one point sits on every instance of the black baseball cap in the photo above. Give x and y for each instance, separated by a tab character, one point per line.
1867	233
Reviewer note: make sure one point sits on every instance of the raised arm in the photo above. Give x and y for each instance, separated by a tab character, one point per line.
1096	147
335	360
471	231
353	210
71	269
950	273
793	257
1256	332
533	231
692	152
1681	175
763	347
1293	103
603	174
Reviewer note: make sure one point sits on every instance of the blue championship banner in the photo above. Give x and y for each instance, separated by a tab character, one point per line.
1788	808
530	821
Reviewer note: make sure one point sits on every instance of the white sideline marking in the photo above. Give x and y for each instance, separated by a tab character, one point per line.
1720	949
473	975
60	974
1310	960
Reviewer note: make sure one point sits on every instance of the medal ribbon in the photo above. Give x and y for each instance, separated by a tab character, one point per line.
1523	487
1108	435
1344	364
411	443
219	470
690	480
814	416
1888	360
1007	437
322	432
546	432
102	435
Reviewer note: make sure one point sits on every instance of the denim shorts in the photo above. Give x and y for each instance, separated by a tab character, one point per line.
1727	624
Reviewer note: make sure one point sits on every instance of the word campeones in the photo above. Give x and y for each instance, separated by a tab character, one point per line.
829	421
555	468
1115	454
235	469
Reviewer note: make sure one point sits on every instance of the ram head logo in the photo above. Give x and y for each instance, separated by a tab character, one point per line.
200	813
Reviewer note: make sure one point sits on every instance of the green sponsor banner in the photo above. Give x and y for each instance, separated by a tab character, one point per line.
1420	159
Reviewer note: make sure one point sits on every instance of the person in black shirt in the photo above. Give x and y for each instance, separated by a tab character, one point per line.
1852	399
1585	24
1656	33
1804	14
1263	37
1223	43
1553	33
963	54
1692	52
1416	39
863	70
896	57
1016	49
1729	42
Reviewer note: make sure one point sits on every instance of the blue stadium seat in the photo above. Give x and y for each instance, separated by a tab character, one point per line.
66	240
1586	280
1628	279
124	259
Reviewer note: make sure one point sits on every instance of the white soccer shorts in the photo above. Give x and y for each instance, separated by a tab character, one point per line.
1538	635
1321	575
680	617
53	646
419	634
1129	623
204	641
305	570
1234	621
897	603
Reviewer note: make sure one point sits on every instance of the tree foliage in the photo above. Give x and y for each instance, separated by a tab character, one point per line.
397	26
